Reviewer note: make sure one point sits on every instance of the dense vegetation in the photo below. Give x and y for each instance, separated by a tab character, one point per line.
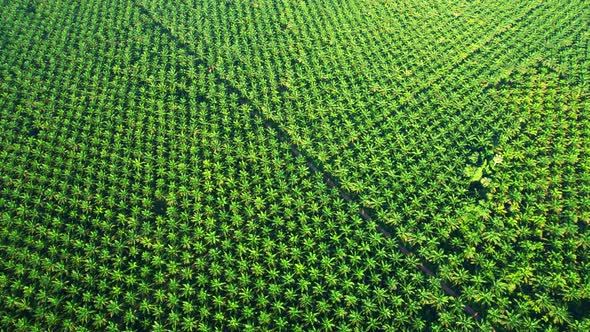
294	165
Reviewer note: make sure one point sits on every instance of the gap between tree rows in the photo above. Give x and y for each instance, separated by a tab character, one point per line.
284	137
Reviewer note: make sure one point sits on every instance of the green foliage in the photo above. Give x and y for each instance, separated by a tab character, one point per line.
163	165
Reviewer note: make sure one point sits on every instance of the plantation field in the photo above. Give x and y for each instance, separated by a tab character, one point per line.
291	165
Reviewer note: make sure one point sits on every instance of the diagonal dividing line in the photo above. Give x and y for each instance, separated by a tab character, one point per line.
314	168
